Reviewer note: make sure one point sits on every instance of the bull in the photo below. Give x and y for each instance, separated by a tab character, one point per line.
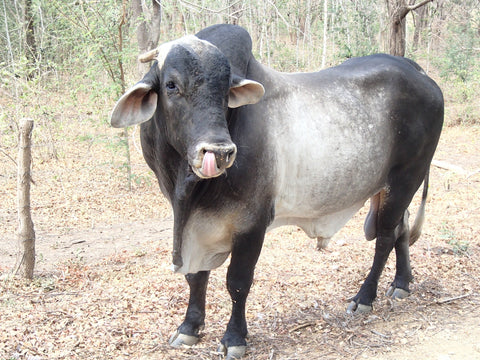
239	149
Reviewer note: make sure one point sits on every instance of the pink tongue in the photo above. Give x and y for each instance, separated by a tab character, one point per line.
209	165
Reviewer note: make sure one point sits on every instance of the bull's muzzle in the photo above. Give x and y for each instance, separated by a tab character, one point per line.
211	160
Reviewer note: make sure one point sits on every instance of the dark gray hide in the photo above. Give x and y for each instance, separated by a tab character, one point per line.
310	152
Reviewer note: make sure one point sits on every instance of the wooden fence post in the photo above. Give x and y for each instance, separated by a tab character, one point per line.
26	233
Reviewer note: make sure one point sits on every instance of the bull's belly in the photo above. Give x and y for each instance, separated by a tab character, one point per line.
318	225
322	195
324	174
321	205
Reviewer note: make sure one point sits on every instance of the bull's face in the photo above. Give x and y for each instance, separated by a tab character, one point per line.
188	91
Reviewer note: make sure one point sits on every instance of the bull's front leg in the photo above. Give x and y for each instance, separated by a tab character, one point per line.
188	332
245	252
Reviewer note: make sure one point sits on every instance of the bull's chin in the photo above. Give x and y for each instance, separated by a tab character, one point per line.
201	175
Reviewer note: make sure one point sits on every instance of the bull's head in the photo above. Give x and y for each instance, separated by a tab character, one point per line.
188	89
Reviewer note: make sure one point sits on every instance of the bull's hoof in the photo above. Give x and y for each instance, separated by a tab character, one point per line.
322	243
178	339
397	293
354	308
232	352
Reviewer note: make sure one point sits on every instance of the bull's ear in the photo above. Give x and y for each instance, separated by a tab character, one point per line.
136	106
244	91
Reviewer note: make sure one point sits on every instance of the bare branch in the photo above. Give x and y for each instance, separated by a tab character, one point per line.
448	300
202	8
283	18
416	6
447	166
7	155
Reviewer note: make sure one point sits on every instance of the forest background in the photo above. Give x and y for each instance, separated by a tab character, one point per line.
89	48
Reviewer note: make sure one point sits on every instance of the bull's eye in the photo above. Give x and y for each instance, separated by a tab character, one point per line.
170	85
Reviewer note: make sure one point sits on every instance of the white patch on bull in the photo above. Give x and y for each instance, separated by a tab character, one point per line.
327	164
191	41
207	241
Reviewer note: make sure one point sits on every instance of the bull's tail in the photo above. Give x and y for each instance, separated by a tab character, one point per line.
416	229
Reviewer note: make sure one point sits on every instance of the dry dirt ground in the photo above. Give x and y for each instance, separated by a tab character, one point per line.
104	289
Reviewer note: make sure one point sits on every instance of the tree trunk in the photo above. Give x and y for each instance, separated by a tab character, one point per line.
148	28
31	45
26	232
235	11
397	12
123	22
420	25
325	28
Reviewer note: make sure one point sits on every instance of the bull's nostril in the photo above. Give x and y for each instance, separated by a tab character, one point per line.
230	153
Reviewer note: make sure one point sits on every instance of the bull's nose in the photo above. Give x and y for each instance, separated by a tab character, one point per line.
211	160
225	156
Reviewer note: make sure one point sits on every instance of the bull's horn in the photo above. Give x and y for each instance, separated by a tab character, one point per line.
148	56
161	52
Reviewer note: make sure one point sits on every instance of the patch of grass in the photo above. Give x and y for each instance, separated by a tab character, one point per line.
459	246
46	284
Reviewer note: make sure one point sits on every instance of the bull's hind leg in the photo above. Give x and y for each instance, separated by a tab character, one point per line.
362	302
399	289
388	222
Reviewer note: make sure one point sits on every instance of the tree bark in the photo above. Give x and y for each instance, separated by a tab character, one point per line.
420	25
31	45
397	12
325	28
235	11
123	22
26	233
148	28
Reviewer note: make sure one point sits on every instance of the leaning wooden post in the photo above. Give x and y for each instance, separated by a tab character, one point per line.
26	233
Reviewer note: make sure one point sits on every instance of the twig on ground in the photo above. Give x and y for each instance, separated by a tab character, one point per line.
446	166
447	300
302	326
380	334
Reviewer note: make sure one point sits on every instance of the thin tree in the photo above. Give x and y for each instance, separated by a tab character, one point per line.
26	233
420	24
325	28
397	12
148	27
31	45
